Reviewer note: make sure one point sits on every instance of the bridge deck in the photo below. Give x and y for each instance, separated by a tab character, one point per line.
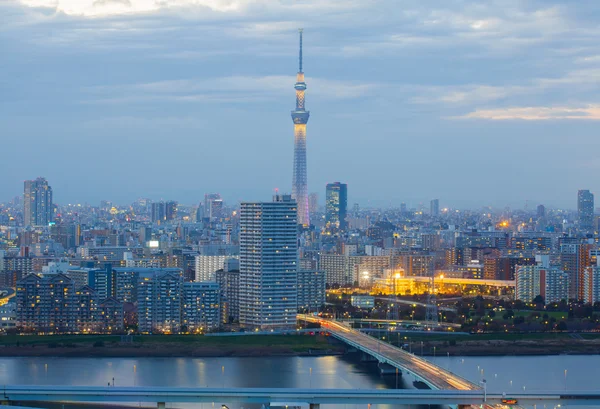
24	393
432	375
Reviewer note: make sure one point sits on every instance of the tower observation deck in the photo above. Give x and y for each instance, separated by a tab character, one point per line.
300	117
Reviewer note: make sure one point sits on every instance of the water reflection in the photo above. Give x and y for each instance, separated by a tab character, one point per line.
277	372
503	374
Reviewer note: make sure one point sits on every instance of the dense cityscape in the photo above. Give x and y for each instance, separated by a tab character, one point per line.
439	242
164	267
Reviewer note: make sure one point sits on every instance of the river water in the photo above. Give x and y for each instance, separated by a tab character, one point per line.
503	374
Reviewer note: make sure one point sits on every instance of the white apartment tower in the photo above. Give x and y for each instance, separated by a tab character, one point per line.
268	263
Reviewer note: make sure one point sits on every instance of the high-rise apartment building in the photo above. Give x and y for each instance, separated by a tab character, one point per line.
346	269
37	203
336	205
585	210
201	309
207	266
159	303
53	304
591	285
268	263
229	285
574	259
311	290
550	282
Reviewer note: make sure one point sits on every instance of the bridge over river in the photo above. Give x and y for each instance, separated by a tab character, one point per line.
432	375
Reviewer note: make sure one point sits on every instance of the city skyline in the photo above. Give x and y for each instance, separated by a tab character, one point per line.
421	205
378	90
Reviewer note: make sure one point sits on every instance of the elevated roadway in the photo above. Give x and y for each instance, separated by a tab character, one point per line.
415	303
313	397
408	323
432	375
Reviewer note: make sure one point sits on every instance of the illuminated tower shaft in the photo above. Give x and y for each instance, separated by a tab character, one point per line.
300	117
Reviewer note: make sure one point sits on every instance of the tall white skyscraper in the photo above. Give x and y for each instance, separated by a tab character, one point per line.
269	263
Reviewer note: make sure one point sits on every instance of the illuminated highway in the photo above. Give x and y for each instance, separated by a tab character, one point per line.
423	370
415	303
314	397
400	322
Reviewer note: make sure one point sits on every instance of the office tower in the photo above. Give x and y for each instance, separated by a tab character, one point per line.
268	263
585	209
550	282
210	207
336	205
403	208
37	203
434	208
300	117
163	211
170	210
541	211
201	311
313	203
158	212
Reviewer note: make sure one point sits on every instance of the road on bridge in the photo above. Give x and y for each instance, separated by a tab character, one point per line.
433	375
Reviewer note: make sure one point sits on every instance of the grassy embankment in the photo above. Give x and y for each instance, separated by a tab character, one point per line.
165	345
550	343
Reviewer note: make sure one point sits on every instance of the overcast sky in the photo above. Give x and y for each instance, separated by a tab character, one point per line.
475	103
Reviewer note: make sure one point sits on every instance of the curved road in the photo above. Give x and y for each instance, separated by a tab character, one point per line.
433	375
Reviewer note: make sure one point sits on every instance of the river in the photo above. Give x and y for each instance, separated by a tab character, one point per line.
503	374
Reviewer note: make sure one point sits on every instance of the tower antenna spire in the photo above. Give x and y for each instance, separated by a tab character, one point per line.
300	59
300	117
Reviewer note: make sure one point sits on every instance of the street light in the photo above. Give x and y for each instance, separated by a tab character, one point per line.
484	383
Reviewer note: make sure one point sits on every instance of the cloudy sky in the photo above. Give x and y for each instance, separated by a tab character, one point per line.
477	103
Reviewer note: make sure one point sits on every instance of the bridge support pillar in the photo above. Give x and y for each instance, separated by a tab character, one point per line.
315	406
160	405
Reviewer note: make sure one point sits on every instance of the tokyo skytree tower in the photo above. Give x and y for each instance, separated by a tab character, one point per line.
300	118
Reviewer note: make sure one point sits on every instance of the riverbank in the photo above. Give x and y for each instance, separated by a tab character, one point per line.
168	346
290	345
515	344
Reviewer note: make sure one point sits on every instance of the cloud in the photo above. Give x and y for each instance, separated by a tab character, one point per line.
101	3
230	89
591	112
